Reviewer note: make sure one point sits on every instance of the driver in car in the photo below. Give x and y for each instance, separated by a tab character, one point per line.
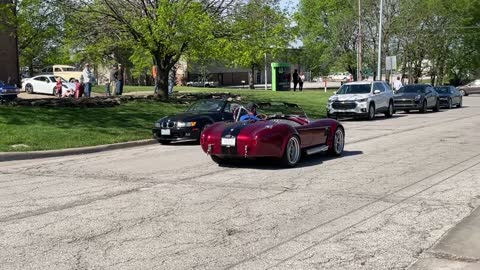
252	113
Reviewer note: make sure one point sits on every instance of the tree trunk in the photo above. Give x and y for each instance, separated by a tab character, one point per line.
163	67
250	77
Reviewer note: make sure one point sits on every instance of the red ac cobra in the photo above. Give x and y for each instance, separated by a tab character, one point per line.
285	132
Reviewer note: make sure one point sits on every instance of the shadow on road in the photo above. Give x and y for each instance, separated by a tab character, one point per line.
274	164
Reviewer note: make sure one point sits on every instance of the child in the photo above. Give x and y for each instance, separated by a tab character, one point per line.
79	88
58	87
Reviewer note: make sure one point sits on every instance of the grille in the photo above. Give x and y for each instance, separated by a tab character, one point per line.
404	102
168	124
344	105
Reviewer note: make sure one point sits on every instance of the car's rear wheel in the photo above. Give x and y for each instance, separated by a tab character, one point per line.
390	111
72	80
338	143
29	88
437	106
460	104
292	153
164	142
219	160
371	112
424	107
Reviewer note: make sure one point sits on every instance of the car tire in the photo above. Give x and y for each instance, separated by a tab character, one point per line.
424	107
338	143
437	106
29	88
450	105
460	104
371	112
54	92
220	161
390	110
292	152
463	93
163	142
72	80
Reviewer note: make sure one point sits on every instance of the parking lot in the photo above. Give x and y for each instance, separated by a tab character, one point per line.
400	186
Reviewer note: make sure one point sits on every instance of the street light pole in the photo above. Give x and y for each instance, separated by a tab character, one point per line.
379	61
359	49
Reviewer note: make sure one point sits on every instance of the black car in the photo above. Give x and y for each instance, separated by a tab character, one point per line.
449	96
416	97
189	125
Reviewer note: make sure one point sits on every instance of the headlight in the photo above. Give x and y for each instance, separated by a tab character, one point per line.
418	97
362	100
158	124
186	124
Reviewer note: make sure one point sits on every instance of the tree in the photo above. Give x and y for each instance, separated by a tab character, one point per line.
166	29
258	27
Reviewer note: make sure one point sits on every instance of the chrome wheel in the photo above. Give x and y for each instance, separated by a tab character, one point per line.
293	150
338	142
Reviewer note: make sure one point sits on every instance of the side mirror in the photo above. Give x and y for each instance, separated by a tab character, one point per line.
376	92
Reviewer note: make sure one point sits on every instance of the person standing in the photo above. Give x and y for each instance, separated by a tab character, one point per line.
301	79
58	87
295	80
154	74
88	80
397	84
113	80
79	88
119	89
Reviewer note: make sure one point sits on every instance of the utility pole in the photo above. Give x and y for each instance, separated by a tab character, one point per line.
359	49
379	60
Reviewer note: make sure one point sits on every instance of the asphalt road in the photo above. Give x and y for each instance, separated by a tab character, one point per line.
401	185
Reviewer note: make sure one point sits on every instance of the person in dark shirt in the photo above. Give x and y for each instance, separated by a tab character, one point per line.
119	90
252	113
295	80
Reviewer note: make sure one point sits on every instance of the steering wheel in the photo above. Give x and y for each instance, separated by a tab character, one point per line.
262	116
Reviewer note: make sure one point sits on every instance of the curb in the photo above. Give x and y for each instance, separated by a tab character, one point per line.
7	156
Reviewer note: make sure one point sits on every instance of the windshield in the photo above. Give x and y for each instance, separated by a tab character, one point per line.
206	106
413	89
280	109
354	89
442	90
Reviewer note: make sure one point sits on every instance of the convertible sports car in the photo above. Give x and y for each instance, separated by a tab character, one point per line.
188	126
45	84
285	133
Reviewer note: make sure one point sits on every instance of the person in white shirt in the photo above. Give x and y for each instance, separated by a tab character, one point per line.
397	84
88	80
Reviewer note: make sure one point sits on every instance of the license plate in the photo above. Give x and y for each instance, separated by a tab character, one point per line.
165	132
228	141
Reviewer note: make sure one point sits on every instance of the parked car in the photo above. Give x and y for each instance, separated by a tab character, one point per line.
340	76
449	96
202	83
361	99
417	97
471	88
45	84
285	133
8	92
70	73
187	126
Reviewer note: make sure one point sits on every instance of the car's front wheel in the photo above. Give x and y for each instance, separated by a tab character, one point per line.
336	149
437	106
29	88
390	111
371	112
424	107
292	153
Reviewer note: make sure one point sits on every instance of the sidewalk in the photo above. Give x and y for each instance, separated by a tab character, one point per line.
458	249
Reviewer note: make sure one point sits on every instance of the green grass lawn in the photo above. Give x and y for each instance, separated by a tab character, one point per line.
58	128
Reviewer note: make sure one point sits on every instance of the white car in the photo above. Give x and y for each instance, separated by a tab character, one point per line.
202	84
361	99
343	76
45	84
